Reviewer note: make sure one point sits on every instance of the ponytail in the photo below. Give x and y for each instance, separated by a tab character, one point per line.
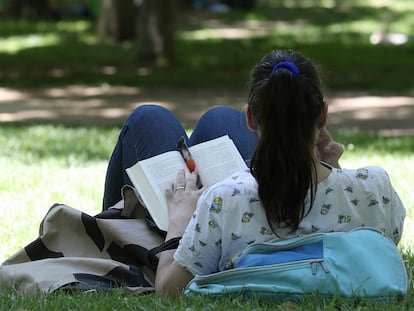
286	101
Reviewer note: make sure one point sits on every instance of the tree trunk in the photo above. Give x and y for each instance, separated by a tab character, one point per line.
14	8
156	36
117	19
28	8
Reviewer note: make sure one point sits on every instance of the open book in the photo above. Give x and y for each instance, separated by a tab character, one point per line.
215	160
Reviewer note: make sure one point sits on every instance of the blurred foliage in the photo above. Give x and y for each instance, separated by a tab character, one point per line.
365	142
218	50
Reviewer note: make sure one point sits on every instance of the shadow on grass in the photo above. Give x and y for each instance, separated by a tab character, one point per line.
76	56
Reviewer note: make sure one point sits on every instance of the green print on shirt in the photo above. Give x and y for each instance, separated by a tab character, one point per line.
217	205
212	224
325	209
229	264
362	173
247	216
265	231
344	219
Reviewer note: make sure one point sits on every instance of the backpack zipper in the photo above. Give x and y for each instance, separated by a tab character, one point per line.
314	266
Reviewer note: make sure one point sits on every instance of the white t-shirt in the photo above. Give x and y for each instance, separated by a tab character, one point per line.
229	215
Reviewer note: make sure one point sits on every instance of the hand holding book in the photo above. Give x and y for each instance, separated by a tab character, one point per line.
215	160
182	196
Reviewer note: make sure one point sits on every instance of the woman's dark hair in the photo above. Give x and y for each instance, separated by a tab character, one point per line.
286	101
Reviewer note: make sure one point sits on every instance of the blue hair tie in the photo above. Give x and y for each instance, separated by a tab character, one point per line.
288	65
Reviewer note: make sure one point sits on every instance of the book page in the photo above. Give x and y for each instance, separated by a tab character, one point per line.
217	159
151	177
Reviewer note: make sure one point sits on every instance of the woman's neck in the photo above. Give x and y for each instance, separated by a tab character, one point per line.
322	171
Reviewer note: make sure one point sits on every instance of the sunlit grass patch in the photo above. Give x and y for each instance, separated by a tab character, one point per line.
219	50
36	172
14	44
44	164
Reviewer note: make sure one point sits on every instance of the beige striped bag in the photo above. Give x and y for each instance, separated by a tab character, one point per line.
76	251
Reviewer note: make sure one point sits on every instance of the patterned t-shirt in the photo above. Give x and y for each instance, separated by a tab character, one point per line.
229	215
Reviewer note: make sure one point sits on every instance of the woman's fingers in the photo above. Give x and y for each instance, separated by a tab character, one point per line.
183	186
180	182
182	197
192	181
329	151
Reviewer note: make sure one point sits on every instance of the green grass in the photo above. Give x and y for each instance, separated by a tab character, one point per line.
45	164
120	300
34	54
41	165
124	301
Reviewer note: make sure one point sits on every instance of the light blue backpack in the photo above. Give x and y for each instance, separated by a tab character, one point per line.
361	263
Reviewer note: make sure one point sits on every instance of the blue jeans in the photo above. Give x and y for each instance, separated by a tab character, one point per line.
151	130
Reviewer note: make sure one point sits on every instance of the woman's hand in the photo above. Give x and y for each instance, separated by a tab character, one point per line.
328	150
182	197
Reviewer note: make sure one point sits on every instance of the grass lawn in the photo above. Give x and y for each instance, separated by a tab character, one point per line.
35	54
42	164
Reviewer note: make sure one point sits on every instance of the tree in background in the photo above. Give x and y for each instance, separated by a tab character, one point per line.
27	8
156	31
117	19
152	24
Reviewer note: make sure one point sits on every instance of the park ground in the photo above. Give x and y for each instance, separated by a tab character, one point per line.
391	115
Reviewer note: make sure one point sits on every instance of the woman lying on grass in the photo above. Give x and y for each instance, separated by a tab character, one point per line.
294	186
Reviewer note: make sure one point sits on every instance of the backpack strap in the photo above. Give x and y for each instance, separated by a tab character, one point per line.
167	245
